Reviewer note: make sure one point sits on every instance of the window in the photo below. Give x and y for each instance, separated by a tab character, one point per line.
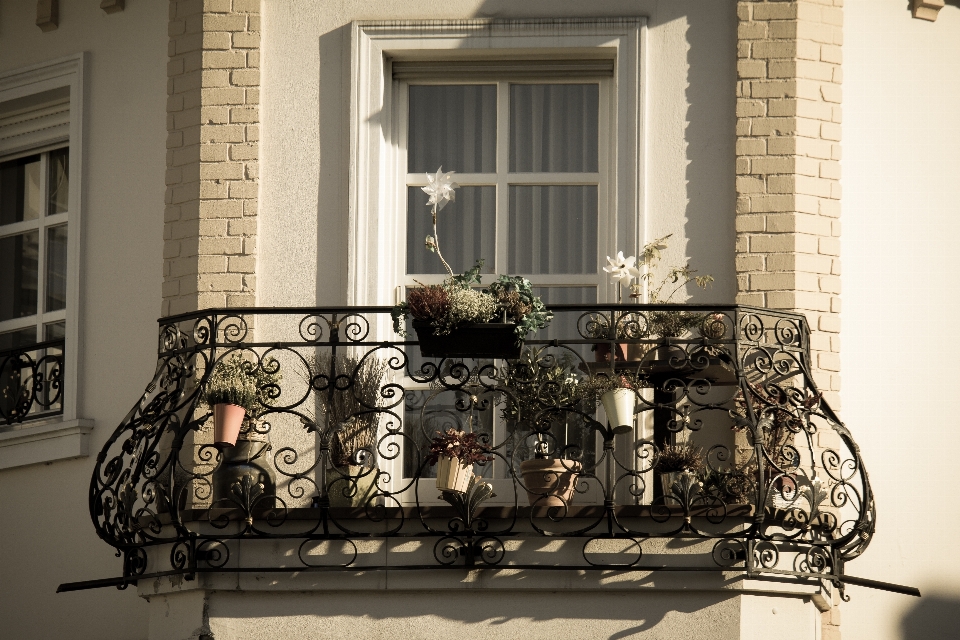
540	119
34	210
40	142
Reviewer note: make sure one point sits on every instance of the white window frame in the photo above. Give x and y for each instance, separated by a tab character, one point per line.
377	214
378	179
64	436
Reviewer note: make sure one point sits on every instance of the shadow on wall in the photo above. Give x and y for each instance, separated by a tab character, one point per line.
710	136
933	617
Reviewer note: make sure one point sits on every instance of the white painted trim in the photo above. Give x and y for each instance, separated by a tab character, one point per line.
19	83
45	443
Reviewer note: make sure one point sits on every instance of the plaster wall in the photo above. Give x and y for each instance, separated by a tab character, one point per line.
45	532
689	144
901	218
642	613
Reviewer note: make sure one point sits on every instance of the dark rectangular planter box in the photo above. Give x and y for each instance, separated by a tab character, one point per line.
474	340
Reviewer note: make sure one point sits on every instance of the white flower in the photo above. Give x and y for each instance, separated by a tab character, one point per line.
440	188
621	268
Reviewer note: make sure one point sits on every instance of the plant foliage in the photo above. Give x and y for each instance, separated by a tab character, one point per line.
461	445
238	381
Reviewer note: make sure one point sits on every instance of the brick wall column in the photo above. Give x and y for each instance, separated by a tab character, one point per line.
213	96
788	167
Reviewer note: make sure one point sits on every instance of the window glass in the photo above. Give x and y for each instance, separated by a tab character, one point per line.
56	283
554	127
18	275
54	330
58	181
18	338
20	190
454	126
467	228
553	229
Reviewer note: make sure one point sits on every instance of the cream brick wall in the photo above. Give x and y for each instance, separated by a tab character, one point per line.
788	167
213	132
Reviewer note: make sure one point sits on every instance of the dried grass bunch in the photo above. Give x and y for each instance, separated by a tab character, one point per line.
354	406
679	457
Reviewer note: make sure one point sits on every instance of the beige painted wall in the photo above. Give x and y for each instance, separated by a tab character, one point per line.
901	229
305	125
45	533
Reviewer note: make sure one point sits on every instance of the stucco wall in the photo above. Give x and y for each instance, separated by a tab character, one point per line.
305	119
901	226
45	532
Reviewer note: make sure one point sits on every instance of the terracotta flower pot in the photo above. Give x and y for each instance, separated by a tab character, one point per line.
453	476
227	420
550	483
601	352
619	405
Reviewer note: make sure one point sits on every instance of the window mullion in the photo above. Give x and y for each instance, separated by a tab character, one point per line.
503	168
42	241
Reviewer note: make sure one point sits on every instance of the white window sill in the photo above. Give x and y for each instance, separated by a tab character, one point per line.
46	442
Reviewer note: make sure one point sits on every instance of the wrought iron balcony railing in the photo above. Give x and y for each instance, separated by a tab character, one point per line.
782	488
31	382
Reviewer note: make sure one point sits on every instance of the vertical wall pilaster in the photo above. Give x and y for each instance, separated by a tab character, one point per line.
788	167
213	132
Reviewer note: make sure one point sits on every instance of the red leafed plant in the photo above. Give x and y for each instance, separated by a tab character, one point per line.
461	445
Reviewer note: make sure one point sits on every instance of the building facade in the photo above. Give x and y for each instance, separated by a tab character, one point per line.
192	155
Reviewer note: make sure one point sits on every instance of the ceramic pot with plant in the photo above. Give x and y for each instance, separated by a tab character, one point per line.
352	419
617	392
675	460
455	452
454	319
235	388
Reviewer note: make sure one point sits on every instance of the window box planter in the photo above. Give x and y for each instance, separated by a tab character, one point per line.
473	340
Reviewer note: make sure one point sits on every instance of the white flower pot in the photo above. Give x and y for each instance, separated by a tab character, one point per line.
453	476
619	405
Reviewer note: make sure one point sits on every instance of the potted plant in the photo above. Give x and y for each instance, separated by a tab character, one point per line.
454	319
537	392
352	420
455	452
661	324
676	459
236	388
618	395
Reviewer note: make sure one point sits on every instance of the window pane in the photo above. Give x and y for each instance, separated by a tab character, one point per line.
467	229
554	127
58	181
18	275
18	338
564	325
54	330
553	229
20	190
56	283
454	126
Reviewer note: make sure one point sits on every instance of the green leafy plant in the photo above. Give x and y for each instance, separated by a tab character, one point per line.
238	381
457	302
594	387
679	457
460	445
537	384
